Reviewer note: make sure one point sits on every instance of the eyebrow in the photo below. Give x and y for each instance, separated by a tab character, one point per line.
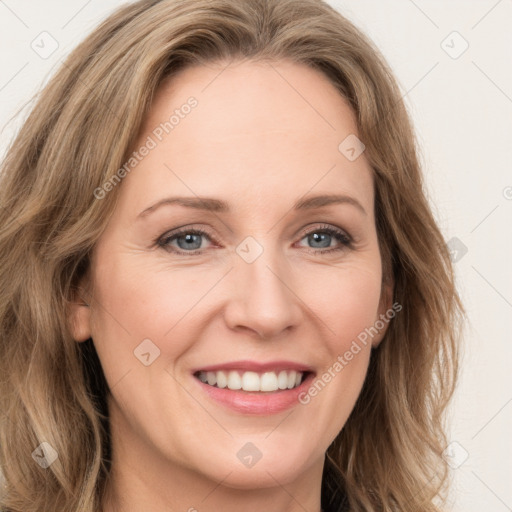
216	205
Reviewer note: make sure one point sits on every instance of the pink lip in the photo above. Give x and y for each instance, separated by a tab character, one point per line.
255	402
254	366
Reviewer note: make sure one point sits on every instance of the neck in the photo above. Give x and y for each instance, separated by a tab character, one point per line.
130	492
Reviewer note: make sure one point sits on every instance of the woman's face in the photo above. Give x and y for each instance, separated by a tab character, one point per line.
253	291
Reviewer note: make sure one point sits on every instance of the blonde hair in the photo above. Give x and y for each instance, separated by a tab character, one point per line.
388	456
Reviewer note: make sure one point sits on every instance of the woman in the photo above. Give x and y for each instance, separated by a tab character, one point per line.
222	285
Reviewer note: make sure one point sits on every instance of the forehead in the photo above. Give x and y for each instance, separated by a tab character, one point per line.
259	130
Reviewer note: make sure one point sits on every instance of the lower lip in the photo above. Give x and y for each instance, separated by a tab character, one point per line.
256	402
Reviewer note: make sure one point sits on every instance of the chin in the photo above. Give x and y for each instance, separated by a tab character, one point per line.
262	472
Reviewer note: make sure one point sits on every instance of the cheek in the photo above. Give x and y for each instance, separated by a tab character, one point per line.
348	308
347	302
149	299
141	299
138	301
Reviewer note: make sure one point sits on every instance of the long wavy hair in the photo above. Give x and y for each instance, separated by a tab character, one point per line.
82	128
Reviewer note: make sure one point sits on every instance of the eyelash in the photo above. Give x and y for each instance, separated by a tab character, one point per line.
345	240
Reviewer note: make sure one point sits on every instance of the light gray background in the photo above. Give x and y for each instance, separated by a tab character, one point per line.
462	110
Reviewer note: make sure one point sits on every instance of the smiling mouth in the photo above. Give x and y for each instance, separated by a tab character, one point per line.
265	382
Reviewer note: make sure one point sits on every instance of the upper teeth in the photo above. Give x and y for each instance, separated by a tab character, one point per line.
252	381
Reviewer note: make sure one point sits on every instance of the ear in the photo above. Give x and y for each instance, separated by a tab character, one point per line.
386	312
79	314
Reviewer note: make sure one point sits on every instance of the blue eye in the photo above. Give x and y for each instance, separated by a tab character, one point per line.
322	238
189	241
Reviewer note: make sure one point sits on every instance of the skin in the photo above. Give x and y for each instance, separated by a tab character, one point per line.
261	137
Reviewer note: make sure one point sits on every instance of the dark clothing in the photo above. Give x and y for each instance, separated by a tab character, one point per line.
334	498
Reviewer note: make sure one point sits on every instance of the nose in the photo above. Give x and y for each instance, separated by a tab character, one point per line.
262	298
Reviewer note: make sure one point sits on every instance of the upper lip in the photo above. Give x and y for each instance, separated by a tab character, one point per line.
256	366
